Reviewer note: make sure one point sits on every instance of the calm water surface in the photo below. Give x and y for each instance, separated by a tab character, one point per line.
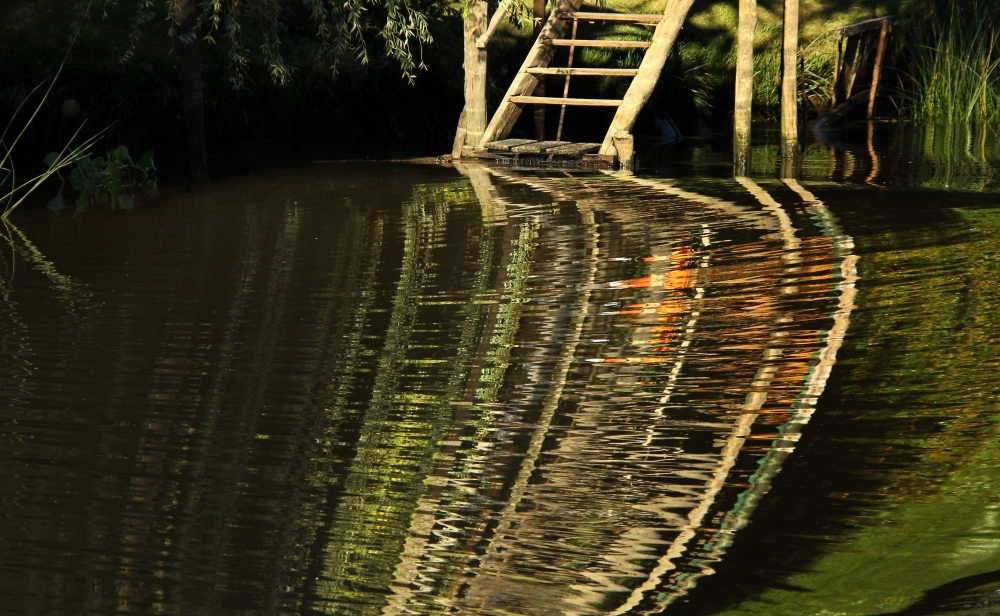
395	389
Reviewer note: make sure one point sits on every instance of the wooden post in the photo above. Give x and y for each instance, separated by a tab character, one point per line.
877	71
539	20
834	96
649	71
475	72
624	149
744	88
789	95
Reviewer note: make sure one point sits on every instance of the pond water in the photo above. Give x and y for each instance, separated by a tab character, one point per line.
399	389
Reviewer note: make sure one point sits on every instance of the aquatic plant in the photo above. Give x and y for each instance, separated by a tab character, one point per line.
953	65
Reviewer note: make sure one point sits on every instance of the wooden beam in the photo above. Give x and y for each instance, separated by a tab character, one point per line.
555	100
495	22
645	80
628	17
592	72
877	71
539	56
600	43
864	26
475	72
835	95
744	87
789	92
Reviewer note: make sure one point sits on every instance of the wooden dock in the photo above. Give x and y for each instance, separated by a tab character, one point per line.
558	31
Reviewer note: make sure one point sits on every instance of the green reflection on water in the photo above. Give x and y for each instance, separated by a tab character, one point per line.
927	344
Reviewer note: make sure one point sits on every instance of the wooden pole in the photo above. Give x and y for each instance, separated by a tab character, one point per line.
744	87
877	71
835	95
789	95
569	64
539	19
649	71
475	72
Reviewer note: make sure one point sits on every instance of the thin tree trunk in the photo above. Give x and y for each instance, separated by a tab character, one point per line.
475	72
789	96
539	14
192	89
744	88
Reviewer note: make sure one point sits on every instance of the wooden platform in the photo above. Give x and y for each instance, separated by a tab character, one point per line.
532	151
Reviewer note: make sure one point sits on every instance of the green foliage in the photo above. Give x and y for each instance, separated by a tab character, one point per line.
954	62
112	175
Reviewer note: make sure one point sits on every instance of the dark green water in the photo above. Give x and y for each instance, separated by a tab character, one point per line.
400	389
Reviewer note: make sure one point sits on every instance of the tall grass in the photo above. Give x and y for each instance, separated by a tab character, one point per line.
954	65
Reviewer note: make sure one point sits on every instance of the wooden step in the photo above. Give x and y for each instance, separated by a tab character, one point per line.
506	144
600	43
633	17
608	72
555	100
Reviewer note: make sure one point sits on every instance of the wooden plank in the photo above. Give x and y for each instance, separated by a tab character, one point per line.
555	100
627	17
877	71
524	82
538	147
645	80
574	149
600	43
506	144
839	42
864	26
593	72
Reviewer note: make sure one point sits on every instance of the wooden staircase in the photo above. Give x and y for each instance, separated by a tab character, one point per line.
564	19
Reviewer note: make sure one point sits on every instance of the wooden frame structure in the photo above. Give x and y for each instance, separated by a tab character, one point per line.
858	46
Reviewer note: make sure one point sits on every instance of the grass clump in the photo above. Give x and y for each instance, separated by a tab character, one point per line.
954	75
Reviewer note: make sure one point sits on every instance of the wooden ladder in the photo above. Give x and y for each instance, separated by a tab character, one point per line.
553	35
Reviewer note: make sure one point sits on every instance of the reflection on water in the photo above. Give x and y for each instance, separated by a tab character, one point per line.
386	389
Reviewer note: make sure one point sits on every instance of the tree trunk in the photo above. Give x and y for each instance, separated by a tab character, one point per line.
744	88
192	88
789	95
475	72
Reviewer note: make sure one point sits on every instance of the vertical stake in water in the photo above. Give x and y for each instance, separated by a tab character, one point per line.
569	64
475	72
789	96
744	88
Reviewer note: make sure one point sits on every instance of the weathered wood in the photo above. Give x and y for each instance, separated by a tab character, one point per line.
537	147
839	42
555	100
645	80
744	87
864	26
495	22
877	71
627	17
475	72
573	149
569	65
624	149
539	56
600	43
789	93
539	15
456	146
506	144
584	72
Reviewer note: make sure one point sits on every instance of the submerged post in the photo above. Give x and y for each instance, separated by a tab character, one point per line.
744	87
475	72
789	96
